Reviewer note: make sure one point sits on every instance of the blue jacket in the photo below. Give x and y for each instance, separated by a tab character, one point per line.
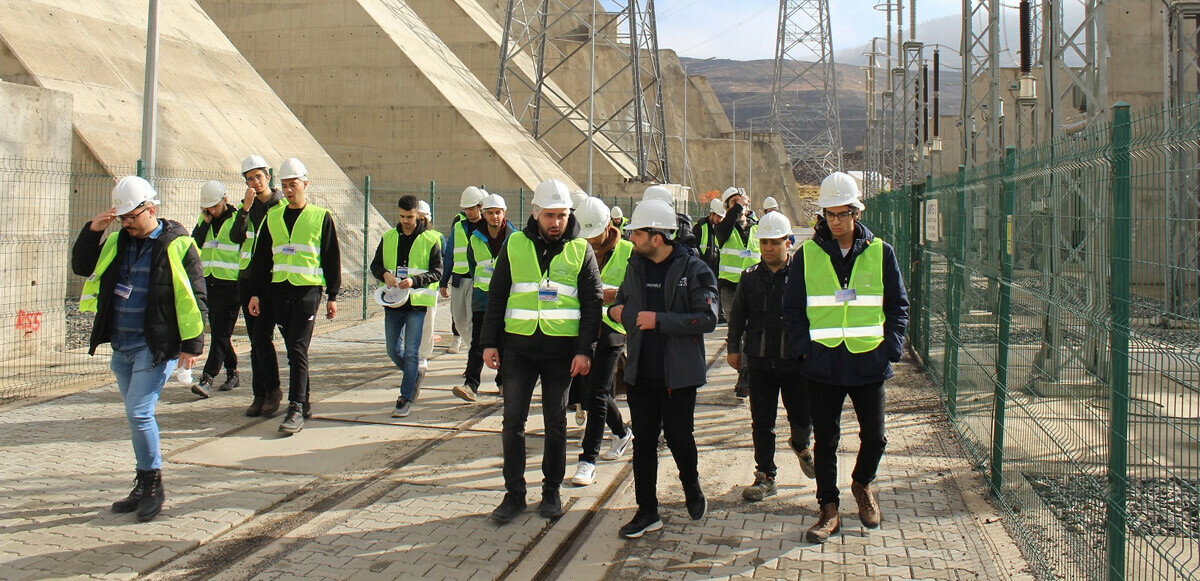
839	366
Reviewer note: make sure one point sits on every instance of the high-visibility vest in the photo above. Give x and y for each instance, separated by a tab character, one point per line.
297	254
219	256
187	309
252	233
418	263
622	223
859	322
459	242
545	301
612	276
705	233
736	256
484	261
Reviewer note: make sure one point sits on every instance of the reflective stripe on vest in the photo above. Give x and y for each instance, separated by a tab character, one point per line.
612	276
736	256
483	268
187	309
418	262
524	312
459	242
251	235
220	257
858	323
301	265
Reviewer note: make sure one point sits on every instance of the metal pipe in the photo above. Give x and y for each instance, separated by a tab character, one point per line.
592	100
937	88
1026	37
150	92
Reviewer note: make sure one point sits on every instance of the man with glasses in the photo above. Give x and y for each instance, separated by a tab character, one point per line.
845	310
248	221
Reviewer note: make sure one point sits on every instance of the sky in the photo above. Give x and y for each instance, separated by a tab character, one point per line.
745	29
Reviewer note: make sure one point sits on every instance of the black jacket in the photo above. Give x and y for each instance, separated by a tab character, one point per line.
755	322
540	345
691	312
839	366
711	251
200	233
255	215
162	327
263	262
403	249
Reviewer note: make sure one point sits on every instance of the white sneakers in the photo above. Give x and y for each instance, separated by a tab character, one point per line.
422	364
619	446
585	474
456	346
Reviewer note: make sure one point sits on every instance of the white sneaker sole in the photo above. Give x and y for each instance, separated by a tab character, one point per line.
654	526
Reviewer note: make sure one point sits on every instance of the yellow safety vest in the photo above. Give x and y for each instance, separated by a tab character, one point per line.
613	275
219	256
251	234
459	242
483	268
187	309
545	301
833	320
297	254
736	257
418	263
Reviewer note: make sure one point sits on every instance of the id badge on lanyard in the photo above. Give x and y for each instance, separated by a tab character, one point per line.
845	295
547	293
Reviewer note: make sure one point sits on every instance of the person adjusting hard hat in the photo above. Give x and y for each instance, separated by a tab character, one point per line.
577	198
292	168
774	225
839	189
131	192
493	201
211	193
593	218
733	191
770	205
471	196
659	193
716	207
253	162
551	195
655	214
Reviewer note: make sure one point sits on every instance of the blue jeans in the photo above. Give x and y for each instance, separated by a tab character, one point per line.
140	383
402	337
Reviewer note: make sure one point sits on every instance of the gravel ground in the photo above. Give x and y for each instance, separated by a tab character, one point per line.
1156	506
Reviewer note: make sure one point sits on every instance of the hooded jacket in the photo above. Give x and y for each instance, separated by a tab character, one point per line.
691	303
756	328
838	365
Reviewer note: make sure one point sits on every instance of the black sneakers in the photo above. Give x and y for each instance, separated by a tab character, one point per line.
551	506
293	422
509	508
643	522
693	499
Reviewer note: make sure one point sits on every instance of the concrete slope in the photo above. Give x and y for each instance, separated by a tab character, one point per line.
383	93
214	109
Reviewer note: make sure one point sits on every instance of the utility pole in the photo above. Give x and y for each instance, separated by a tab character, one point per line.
150	94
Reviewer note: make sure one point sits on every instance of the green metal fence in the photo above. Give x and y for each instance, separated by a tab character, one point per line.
1056	304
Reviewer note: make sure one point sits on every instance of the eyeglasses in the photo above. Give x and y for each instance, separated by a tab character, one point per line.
831	217
133	216
257	177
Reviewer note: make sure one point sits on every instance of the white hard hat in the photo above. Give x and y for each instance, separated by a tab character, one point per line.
659	193
552	195
593	218
774	225
494	201
424	209
730	192
769	203
615	213
211	193
577	198
715	206
130	193
471	196
253	162
292	168
839	189
653	214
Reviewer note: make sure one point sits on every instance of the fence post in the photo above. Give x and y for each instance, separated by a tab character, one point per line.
366	234
1000	399
520	208
926	269
954	295
1119	262
141	168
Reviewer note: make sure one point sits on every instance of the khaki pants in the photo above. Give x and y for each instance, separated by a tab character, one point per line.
460	308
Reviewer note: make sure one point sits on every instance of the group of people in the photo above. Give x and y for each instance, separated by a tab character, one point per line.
561	301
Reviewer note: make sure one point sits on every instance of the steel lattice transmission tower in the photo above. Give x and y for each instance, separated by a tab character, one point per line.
621	114
804	65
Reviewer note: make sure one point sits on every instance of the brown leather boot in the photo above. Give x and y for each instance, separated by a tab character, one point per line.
829	523
255	408
868	509
271	402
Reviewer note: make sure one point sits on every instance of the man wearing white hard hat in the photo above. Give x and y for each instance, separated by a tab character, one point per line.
221	258
845	310
757	338
408	258
667	301
705	233
683	230
296	254
543	307
618	218
739	251
486	243
770	205
264	363
425	216
146	286
456	282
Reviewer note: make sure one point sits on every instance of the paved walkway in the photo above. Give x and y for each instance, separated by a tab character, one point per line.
359	495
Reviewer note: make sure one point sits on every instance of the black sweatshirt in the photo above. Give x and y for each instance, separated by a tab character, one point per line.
200	234
262	263
403	249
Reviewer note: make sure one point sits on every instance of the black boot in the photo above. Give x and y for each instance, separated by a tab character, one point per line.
152	495
130	503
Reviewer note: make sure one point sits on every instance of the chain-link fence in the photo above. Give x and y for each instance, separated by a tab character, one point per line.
1056	303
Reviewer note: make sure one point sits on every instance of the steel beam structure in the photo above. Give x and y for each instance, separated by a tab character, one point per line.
622	114
981	81
912	165
804	63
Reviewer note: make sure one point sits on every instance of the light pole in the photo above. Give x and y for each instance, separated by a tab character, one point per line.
733	140
686	84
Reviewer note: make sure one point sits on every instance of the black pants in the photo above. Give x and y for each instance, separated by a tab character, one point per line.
653	407
223	307
598	399
827	401
521	371
475	354
725	292
264	363
769	380
296	314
